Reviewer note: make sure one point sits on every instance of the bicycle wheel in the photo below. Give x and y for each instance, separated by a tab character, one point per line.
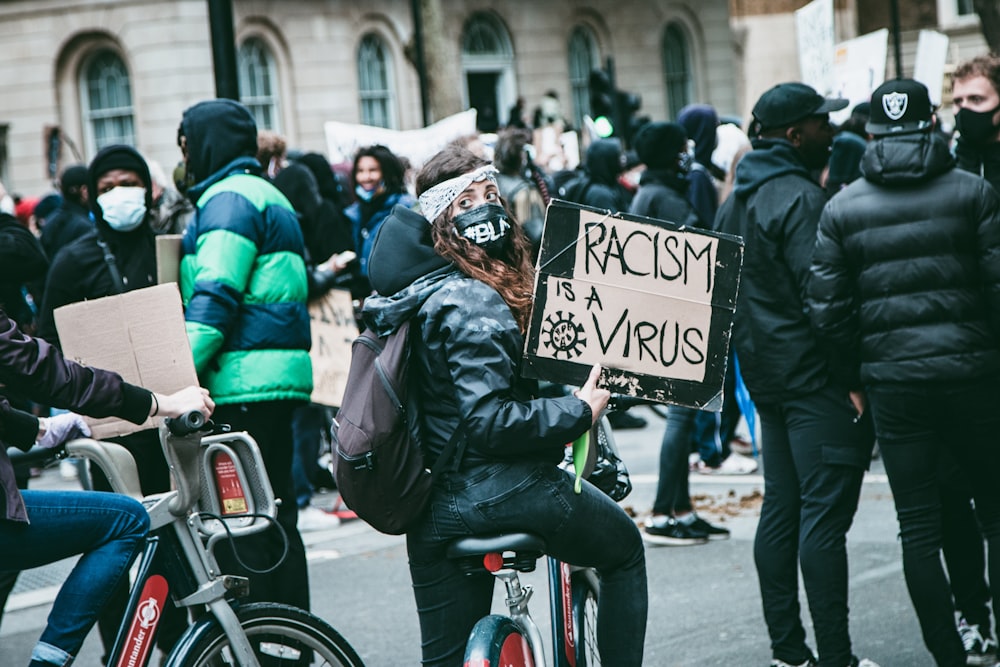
279	634
586	588
496	640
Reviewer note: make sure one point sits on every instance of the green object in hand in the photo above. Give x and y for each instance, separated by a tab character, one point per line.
581	454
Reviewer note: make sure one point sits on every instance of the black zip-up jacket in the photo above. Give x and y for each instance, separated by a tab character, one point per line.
467	355
907	265
775	207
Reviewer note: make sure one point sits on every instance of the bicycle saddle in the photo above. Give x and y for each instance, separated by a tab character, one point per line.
525	548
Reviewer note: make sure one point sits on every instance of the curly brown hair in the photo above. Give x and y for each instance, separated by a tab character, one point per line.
510	274
985	65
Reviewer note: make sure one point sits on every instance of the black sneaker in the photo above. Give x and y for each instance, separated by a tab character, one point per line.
714	532
669	531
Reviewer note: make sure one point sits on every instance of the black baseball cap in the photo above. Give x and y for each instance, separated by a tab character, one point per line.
900	106
788	103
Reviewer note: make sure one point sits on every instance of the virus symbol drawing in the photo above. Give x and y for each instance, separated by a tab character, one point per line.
563	335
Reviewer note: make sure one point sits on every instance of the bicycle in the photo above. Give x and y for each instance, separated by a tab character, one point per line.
514	640
222	492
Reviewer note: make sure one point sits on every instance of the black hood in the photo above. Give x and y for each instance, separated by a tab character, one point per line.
769	159
908	158
403	247
605	161
218	133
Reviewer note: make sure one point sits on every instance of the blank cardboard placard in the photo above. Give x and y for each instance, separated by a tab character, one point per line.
168	258
140	335
648	300
333	330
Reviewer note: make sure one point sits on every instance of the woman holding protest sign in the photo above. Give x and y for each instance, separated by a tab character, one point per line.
466	281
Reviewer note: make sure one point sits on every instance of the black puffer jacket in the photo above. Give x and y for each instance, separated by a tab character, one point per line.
907	263
466	353
775	207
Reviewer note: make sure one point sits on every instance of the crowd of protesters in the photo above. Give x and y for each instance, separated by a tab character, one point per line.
867	313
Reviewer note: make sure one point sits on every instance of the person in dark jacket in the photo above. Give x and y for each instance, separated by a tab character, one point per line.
117	255
462	276
701	122
244	287
905	279
72	220
41	527
815	449
662	195
976	95
598	184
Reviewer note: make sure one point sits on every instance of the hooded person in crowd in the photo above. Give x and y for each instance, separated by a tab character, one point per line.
598	184
905	281
817	446
701	123
72	220
244	286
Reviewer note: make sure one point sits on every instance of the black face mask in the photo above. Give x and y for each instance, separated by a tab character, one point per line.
487	226
976	126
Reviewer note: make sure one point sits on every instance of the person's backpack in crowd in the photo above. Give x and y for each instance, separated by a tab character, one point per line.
379	464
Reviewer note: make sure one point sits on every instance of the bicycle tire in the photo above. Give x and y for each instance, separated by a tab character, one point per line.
497	640
280	635
585	588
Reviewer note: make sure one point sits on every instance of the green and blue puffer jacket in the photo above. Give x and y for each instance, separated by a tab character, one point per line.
243	276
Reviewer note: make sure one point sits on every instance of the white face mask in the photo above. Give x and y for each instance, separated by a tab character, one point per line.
124	208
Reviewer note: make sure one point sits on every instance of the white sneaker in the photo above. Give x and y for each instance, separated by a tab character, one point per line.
67	469
313	518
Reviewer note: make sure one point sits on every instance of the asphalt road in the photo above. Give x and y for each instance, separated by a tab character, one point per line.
704	602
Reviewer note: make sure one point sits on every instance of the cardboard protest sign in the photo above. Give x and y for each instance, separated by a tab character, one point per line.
333	330
168	258
650	301
138	334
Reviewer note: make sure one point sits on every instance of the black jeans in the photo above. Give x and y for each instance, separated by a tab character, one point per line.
587	529
915	424
814	458
270	425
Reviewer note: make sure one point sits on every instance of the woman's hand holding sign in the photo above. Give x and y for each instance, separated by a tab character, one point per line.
593	396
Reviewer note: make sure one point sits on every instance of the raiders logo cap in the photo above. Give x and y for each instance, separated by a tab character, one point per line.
900	106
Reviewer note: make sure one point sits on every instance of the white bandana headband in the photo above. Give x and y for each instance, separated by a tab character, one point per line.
435	201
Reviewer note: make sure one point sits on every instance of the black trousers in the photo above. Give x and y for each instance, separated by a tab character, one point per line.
814	458
270	425
916	423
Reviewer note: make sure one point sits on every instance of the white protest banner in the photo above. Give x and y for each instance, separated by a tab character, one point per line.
344	139
331	320
651	302
858	69
814	29
932	53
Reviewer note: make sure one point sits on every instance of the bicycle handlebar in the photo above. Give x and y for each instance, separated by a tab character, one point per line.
186	424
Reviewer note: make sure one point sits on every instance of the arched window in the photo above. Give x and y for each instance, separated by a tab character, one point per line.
488	64
107	102
373	82
583	57
259	83
676	69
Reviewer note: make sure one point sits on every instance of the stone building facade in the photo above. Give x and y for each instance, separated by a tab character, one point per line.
79	74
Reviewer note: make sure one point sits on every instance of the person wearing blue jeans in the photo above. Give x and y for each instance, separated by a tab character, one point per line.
39	527
674	521
107	528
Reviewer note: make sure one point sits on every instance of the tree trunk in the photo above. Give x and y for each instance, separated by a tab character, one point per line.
989	19
442	89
